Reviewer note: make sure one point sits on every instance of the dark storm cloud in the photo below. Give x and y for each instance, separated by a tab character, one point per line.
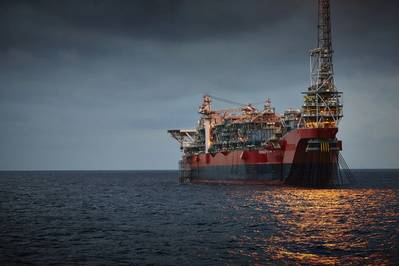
170	20
95	84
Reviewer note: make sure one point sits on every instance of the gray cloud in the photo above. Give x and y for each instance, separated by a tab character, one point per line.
95	84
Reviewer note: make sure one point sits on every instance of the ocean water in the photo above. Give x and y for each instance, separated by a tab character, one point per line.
146	217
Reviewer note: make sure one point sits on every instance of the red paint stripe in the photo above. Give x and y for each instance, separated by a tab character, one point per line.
212	164
237	158
237	182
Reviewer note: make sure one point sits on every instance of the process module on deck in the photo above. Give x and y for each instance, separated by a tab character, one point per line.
250	146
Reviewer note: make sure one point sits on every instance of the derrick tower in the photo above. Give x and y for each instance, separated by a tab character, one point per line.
322	102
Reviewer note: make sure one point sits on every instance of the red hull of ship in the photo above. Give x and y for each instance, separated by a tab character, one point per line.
266	166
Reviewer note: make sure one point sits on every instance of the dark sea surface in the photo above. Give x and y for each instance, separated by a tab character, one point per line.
146	217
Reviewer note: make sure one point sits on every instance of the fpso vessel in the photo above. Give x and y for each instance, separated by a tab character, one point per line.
246	145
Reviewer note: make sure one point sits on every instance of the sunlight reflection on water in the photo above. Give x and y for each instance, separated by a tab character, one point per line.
327	226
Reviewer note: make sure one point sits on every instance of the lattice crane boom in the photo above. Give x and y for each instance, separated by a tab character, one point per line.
322	102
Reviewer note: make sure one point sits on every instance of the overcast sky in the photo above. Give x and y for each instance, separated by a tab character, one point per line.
96	84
